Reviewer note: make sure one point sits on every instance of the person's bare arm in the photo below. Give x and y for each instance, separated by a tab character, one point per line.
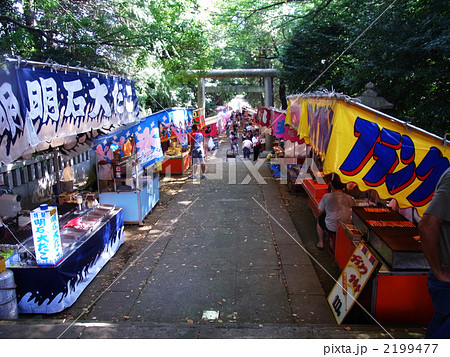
430	230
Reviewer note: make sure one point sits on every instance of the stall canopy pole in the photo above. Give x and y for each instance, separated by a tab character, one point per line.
56	166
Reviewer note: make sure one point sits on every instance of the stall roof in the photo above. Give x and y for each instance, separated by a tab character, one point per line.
373	149
43	104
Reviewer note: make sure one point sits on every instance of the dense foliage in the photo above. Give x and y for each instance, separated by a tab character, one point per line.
404	52
154	41
400	45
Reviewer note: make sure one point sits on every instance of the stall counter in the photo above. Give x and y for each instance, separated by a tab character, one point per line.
176	164
137	203
315	193
51	289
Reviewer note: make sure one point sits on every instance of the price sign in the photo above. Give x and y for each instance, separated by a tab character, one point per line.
354	277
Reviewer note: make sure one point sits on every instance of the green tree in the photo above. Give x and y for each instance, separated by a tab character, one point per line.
404	52
155	41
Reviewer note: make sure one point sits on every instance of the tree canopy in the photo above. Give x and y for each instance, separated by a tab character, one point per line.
402	48
400	45
154	41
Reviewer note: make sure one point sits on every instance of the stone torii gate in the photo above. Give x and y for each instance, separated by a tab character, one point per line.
266	73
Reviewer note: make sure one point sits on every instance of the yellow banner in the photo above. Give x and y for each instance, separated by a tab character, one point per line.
293	112
383	154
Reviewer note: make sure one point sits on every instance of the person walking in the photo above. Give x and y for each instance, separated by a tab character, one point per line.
198	152
234	143
434	228
247	147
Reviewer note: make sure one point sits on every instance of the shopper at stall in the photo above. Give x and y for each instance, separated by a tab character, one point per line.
334	206
434	230
198	152
105	167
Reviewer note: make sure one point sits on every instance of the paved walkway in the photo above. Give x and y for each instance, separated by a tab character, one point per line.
224	244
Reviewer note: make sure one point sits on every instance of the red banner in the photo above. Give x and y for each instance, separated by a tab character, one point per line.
263	117
210	130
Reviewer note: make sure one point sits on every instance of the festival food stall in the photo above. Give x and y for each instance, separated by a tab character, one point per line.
175	126
86	242
387	159
130	155
62	248
293	149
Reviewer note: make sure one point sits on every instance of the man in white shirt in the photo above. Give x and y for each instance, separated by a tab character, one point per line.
333	206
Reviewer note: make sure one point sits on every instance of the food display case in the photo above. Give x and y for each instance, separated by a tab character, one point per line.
135	190
89	238
392	236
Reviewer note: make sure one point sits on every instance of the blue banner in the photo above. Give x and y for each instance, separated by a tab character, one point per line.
41	104
146	138
177	121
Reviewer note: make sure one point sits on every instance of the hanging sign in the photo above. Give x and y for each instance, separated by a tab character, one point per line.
40	104
46	238
198	118
370	148
281	130
148	144
263	116
384	155
177	121
351	282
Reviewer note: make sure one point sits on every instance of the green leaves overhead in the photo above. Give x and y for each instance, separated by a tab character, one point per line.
117	36
404	52
400	45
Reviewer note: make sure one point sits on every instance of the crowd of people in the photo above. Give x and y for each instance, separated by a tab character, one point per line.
241	121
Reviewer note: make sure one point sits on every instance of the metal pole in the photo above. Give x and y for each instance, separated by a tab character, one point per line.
56	166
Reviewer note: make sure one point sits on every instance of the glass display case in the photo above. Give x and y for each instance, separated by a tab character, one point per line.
134	189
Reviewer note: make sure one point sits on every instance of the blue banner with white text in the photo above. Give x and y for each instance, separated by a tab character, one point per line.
41	104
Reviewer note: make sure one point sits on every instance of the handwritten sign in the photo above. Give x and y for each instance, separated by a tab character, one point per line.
354	277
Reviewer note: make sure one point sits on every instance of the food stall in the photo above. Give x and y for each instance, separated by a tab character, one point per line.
399	288
43	105
389	159
88	239
175	124
131	154
176	159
